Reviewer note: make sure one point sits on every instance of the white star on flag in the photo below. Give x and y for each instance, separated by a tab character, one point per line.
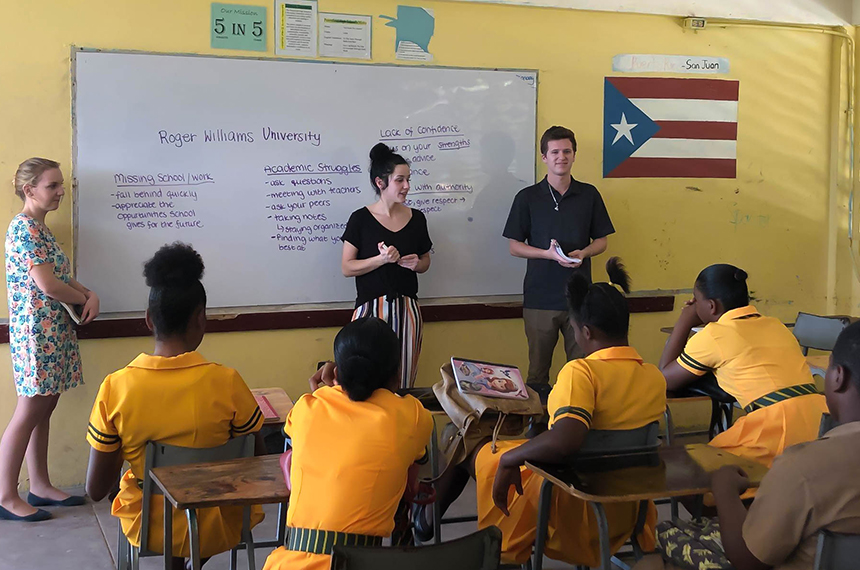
623	129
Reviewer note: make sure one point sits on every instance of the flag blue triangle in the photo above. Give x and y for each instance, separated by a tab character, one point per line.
616	105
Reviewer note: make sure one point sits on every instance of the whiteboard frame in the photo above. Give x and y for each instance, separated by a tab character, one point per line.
231	311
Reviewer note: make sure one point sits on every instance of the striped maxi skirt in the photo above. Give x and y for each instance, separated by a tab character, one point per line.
404	316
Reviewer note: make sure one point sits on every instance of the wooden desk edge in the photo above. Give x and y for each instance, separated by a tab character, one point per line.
571	490
265	500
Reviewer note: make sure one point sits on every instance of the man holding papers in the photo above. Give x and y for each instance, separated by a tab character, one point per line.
560	211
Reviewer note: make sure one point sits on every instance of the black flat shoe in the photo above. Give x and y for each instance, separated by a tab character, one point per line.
73	501
423	528
39	515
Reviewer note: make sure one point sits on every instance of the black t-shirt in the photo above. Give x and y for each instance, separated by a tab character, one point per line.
365	232
580	218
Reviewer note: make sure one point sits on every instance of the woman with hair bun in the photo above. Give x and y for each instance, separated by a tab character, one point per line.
173	396
385	246
755	358
42	342
354	443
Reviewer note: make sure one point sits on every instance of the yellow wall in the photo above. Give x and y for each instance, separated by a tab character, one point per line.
772	220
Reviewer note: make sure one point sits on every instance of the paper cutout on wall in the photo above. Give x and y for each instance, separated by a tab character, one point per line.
415	27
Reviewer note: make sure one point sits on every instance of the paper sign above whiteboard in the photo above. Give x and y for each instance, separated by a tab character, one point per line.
345	35
645	63
296	28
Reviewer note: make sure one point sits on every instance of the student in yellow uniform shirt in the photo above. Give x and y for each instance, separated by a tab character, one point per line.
755	358
811	487
610	389
176	397
354	440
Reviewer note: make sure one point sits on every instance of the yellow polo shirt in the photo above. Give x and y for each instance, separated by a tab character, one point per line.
610	389
750	354
185	401
349	466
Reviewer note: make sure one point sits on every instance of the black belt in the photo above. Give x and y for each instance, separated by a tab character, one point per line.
781	395
316	541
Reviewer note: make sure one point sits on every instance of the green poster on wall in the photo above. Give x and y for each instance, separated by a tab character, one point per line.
236	26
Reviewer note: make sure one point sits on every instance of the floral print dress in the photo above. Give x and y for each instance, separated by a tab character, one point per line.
42	339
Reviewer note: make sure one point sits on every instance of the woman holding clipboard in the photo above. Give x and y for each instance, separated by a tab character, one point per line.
385	246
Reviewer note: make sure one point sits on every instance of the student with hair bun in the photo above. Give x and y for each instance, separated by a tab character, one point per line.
755	358
354	441
611	388
173	396
385	246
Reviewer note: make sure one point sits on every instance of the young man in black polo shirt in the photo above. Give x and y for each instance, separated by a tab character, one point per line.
572	213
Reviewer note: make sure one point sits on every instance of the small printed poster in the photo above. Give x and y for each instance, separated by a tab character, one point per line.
296	28
345	35
237	26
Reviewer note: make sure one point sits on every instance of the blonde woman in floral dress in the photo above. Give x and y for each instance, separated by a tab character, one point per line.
42	340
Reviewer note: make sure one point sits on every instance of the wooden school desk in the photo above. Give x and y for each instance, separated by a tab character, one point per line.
249	481
674	471
818	364
278	400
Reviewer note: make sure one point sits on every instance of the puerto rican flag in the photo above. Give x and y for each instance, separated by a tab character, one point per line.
656	127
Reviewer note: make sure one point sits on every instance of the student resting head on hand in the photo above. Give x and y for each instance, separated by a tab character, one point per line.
754	358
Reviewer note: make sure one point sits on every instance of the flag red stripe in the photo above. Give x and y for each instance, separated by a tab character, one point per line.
707	130
675	168
669	88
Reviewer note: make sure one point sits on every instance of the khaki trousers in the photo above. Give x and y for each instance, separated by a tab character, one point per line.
542	328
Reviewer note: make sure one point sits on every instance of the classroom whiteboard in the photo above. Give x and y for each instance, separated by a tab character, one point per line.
259	163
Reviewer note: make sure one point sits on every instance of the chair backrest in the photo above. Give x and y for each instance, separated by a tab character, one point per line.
815	331
827	423
162	455
617	442
478	551
837	551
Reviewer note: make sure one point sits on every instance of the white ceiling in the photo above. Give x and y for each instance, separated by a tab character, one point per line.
822	12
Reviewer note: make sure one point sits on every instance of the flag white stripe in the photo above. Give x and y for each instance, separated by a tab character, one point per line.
688	110
686	148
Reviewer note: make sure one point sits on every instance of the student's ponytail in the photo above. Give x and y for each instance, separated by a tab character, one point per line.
724	283
367	354
618	274
362	377
601	305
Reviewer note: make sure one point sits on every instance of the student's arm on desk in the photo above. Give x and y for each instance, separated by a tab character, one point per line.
103	473
727	485
552	446
677	376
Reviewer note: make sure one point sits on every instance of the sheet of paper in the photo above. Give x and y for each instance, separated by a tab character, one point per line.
296	28
345	35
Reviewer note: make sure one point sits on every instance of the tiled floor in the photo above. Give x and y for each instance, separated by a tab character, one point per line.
85	538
